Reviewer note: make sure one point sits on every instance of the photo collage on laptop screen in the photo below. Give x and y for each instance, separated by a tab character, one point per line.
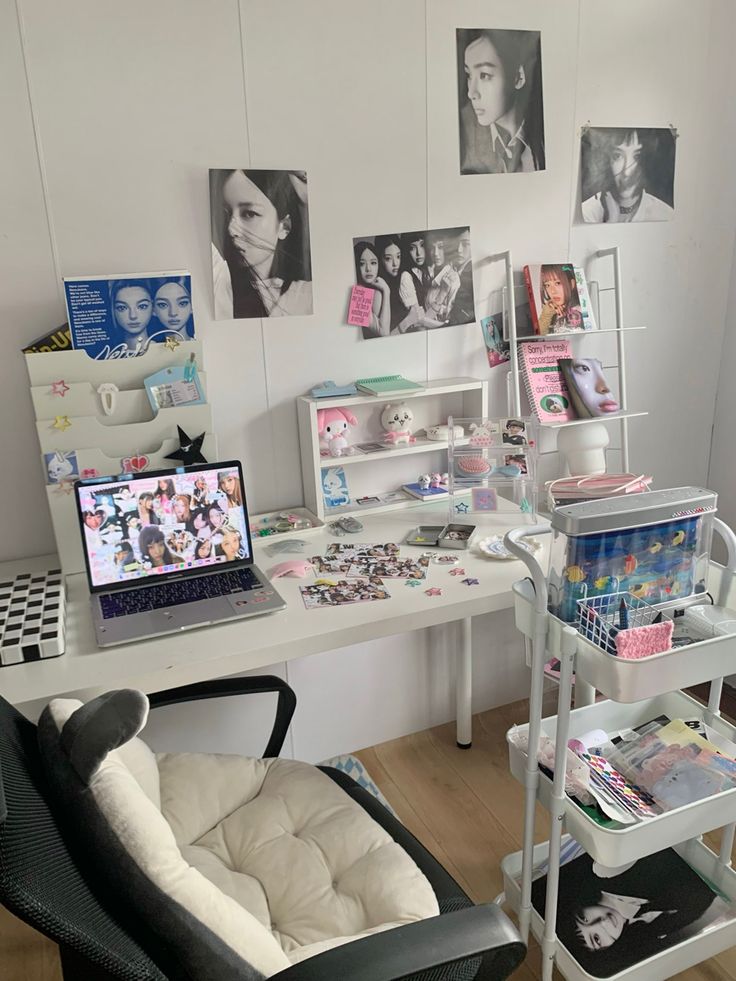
142	527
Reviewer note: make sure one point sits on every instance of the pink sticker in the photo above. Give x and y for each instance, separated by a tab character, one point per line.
361	306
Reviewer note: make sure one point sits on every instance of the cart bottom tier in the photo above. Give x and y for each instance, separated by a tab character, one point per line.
709	943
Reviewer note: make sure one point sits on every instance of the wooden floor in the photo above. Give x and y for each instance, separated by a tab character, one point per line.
462	804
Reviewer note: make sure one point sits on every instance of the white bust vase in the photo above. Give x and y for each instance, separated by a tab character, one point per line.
584	448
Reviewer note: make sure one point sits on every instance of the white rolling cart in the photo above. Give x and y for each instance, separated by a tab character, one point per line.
637	691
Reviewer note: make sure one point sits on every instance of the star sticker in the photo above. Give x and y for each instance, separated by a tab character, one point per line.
190	450
457	572
413	582
462	508
59	388
433	591
61	423
471	582
171	343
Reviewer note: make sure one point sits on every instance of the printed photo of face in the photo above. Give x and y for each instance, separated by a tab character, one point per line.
463	248
592	386
391	260
437	253
487	89
368	266
230	544
555	288
93	519
172	306
417	253
626	164
133	309
599	926
254	226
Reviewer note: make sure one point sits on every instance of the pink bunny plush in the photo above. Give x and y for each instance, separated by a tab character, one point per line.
332	425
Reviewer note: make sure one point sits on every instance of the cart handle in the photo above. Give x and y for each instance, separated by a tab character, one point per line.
511	541
729	540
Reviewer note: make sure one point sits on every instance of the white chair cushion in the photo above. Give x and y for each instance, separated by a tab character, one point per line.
270	855
290	846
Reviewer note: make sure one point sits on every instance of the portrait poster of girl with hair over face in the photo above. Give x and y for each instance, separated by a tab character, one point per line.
261	257
627	175
499	91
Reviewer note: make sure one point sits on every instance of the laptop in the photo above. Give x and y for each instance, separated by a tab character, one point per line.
169	551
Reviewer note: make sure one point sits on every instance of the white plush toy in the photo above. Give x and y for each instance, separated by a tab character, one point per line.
396	420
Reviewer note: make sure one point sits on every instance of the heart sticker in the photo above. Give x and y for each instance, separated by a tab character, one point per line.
134	464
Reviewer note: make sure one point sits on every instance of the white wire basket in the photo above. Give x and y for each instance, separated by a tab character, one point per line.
600	618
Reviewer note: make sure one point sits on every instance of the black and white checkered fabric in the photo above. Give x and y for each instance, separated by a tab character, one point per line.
32	608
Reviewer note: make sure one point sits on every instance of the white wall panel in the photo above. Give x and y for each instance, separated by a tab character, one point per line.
30	299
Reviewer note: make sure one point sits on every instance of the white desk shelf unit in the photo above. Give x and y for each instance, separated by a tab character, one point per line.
384	471
636	691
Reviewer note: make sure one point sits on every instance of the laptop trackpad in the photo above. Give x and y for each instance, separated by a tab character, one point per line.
250	600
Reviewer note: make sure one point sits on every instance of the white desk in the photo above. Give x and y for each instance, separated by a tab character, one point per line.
244	645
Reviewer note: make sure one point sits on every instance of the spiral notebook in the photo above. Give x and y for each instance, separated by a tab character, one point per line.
387	385
548	396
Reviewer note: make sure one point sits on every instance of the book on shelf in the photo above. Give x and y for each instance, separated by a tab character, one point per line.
611	922
545	387
555	303
589	391
387	385
425	493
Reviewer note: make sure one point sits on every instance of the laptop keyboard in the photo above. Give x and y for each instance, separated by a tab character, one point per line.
166	594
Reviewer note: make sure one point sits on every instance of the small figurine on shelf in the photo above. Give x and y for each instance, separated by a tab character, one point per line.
332	425
444	480
435	480
396	420
425	481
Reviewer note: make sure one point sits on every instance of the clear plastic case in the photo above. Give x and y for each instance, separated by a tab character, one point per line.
655	547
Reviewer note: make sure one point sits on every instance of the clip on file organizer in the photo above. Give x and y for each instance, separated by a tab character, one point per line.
655	524
94	418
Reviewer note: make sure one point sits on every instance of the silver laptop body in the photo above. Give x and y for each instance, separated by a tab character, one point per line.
169	551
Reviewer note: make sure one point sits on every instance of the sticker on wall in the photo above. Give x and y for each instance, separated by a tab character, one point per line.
261	257
120	316
424	280
499	91
627	174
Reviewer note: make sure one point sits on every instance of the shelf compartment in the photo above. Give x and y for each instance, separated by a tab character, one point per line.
614	847
444	386
632	680
421	445
669	962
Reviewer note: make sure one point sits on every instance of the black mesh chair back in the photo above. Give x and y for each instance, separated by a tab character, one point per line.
39	880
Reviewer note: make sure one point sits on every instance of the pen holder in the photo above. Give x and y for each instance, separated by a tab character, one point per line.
624	625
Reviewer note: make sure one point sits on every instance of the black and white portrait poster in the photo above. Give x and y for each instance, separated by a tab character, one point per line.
627	174
499	91
609	924
421	280
261	259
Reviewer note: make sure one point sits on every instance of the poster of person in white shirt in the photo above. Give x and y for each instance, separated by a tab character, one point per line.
627	174
499	81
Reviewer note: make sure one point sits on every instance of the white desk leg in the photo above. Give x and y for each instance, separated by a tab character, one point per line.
464	685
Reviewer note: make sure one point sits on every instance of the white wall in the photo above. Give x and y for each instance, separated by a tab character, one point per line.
122	110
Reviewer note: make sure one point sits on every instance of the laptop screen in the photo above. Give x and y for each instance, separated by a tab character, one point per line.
172	522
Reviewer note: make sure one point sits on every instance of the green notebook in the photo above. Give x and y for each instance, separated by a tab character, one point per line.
387	385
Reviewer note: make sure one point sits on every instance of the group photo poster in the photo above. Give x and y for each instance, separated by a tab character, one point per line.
499	97
421	280
627	174
261	256
120	316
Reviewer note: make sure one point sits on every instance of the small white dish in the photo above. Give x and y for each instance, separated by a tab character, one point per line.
494	548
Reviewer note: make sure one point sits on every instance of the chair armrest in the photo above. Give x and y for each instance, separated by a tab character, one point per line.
482	932
221	687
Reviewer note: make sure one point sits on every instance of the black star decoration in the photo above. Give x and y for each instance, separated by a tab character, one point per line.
190	450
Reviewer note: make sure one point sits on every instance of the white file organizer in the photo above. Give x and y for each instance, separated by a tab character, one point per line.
102	441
